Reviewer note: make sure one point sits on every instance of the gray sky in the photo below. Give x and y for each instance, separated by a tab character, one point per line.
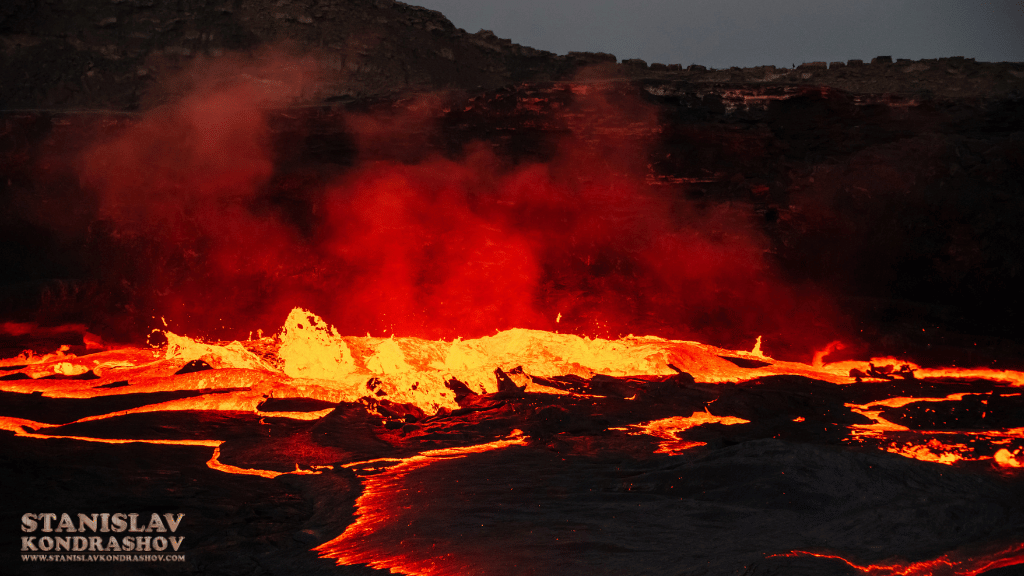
723	33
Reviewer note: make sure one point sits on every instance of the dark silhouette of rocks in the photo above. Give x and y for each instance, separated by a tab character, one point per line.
80	54
76	54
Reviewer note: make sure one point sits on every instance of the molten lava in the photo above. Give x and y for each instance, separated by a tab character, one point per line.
310	359
515	388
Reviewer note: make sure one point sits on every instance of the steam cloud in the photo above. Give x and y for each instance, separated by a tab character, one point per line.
219	226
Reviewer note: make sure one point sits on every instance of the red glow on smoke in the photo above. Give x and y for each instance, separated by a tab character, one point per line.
443	247
420	260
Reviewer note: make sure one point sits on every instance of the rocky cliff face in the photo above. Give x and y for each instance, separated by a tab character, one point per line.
119	54
82	54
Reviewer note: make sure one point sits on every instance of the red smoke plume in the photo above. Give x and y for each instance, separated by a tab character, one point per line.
441	247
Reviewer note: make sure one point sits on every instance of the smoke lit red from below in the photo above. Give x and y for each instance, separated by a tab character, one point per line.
217	227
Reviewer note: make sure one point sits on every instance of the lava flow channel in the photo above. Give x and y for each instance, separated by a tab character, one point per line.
384	494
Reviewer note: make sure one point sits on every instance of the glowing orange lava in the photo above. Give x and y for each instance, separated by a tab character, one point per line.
1008	459
668	430
931	451
309	359
926	445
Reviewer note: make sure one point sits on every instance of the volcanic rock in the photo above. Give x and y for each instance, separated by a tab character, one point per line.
74	54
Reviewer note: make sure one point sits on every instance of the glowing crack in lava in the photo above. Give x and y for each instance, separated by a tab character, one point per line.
668	430
956	564
381	496
565	443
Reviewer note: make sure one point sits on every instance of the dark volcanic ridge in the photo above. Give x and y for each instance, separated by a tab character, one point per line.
78	54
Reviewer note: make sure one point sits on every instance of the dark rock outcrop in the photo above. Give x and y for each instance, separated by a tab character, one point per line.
77	54
81	54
